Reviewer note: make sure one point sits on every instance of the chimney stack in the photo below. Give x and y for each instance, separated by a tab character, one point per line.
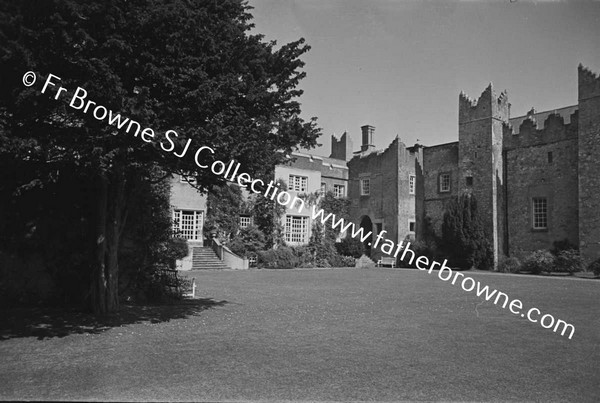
367	138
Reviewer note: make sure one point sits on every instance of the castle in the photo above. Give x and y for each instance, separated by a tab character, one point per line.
536	177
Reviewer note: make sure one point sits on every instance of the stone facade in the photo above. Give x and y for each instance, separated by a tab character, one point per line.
307	174
189	212
389	203
437	161
589	163
536	177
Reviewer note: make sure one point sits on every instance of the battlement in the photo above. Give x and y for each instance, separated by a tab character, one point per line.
536	128
341	149
589	83
488	105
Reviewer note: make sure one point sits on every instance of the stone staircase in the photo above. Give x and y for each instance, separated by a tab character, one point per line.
204	258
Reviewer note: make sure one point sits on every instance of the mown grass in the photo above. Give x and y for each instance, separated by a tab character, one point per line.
371	334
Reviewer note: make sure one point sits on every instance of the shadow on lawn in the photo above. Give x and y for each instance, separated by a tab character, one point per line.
60	322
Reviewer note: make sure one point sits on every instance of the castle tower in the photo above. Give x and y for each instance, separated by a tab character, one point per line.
589	164
341	149
480	164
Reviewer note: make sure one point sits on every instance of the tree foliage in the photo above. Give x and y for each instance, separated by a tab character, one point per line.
191	67
464	239
267	216
323	237
223	207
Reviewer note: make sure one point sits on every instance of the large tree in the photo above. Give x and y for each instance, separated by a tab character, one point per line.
189	66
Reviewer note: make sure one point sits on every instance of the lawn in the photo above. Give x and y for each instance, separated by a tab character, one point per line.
343	334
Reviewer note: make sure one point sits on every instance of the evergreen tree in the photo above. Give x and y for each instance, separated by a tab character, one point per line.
191	67
464	239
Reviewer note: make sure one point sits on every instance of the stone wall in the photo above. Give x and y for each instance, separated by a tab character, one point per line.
541	161
589	164
437	160
406	209
341	149
185	197
532	173
480	134
318	170
381	205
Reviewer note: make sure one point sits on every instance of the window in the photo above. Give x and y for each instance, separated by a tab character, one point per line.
187	179
296	229
245	221
550	157
323	187
445	182
298	183
339	190
411	184
365	187
540	213
188	224
469	180
411	226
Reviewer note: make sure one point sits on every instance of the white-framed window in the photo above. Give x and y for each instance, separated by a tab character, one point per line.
298	183
445	182
339	190
245	221
365	187
296	229
411	226
187	179
188	224
411	184
323	187
540	213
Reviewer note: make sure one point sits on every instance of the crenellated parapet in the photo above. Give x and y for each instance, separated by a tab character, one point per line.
470	109
537	128
341	149
487	105
589	83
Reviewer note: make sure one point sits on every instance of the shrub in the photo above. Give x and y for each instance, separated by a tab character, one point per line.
177	248
350	247
559	246
342	261
280	258
421	248
509	265
248	242
568	261
304	256
538	261
595	267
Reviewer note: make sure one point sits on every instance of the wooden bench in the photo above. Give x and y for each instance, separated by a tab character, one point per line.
387	261
188	288
176	284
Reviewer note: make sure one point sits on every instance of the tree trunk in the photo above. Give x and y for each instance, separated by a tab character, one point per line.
110	213
98	280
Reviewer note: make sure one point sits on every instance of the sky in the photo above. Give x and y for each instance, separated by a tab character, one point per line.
401	65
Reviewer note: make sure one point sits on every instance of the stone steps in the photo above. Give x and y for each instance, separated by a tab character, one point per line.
204	258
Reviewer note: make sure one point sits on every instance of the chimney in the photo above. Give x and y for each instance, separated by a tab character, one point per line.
367	138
